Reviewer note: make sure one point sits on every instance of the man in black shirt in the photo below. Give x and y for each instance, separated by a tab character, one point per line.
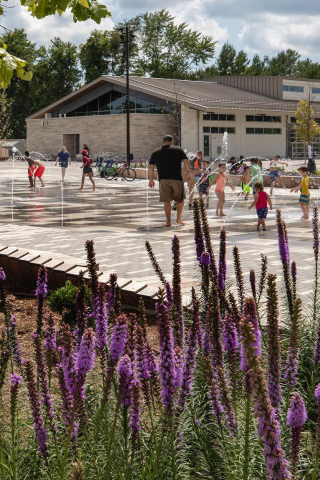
168	162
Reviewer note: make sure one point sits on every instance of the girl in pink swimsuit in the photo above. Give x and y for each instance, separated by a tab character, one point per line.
221	181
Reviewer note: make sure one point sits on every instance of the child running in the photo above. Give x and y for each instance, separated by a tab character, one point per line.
221	181
87	169
245	183
304	192
274	174
255	172
204	181
261	202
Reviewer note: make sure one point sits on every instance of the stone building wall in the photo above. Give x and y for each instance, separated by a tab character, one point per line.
101	133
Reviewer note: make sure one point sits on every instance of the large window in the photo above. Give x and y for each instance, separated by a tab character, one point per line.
263	131
292	88
262	118
315	90
206	145
219	129
114	103
220	117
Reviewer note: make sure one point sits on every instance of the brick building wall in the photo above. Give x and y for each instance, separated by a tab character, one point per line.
101	133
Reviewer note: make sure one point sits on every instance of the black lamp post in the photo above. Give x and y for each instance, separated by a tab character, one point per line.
127	33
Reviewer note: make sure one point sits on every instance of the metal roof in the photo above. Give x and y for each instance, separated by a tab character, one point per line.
200	95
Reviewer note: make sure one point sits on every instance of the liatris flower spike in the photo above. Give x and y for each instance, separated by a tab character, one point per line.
273	338
198	233
296	418
92	267
41	294
222	275
125	379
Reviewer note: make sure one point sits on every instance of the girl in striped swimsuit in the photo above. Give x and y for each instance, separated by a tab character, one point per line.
221	181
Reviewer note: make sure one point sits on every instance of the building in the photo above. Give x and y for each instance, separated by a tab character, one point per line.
257	112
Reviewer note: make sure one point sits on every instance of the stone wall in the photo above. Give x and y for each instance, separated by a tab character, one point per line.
101	133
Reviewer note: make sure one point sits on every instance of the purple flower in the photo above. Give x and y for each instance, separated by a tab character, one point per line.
92	267
135	419
15	347
66	399
43	380
230	336
125	379
112	293
205	258
250	312
285	258
41	294
86	355
317	392
252	278
39	427
222	260
118	339
142	364
273	338
81	308
2	275
167	356
50	335
292	361
178	321
100	315
315	232
296	418
15	380
198	233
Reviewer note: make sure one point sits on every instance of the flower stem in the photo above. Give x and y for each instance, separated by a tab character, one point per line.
246	440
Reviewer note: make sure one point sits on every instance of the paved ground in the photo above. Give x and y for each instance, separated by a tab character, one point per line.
121	216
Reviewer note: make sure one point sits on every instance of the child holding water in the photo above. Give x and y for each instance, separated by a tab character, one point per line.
245	183
204	181
261	202
304	192
221	181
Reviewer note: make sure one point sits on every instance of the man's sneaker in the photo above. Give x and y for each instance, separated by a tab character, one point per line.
174	206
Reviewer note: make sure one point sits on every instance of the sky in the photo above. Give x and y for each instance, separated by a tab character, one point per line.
257	26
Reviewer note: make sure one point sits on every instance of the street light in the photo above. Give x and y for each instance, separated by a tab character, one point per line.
127	33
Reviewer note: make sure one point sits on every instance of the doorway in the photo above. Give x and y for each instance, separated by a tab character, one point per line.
72	143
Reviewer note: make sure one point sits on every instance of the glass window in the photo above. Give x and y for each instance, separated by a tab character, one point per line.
249	118
104	103
250	130
258	131
268	131
214	129
206	116
258	118
214	116
206	145
206	129
315	90
222	129
276	131
231	118
116	102
222	117
292	88
93	106
231	130
268	118
293	119
143	103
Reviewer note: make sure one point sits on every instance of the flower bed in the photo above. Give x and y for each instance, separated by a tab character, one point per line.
224	399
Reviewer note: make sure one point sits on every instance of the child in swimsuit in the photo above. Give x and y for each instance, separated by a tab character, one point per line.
274	174
245	183
304	192
221	181
261	202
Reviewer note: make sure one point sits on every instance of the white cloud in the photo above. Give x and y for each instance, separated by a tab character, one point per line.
277	32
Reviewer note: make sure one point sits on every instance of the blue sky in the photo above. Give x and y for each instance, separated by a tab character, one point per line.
257	26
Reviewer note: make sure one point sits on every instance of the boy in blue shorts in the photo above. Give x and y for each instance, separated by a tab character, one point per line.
304	192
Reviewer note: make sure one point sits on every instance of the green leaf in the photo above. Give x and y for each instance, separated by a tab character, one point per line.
9	64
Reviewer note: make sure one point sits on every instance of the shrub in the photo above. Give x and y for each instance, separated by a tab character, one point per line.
62	301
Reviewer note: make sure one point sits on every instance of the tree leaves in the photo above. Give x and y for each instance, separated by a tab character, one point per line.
9	64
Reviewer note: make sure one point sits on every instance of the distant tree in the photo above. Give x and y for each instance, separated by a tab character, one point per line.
56	73
258	66
230	62
19	91
5	116
284	63
307	69
95	55
306	126
203	73
168	50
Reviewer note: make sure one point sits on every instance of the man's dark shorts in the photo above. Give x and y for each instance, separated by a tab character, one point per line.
171	190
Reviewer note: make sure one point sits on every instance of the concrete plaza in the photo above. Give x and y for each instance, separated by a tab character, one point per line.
119	219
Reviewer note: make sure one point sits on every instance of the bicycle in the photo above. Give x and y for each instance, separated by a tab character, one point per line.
127	173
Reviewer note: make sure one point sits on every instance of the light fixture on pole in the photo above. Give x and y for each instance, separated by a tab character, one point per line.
127	34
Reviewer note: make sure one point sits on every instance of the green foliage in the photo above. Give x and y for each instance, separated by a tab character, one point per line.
5	115
8	64
168	50
230	62
306	126
62	301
